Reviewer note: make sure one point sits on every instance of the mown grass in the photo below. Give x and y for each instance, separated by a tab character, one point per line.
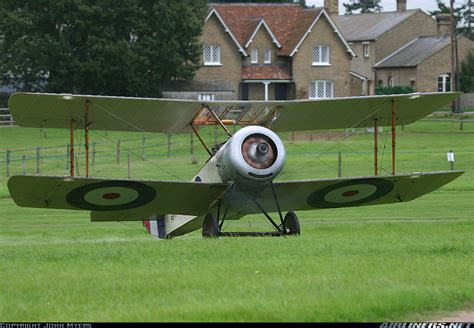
375	263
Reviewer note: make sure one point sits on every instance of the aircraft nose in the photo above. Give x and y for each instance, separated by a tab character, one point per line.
262	149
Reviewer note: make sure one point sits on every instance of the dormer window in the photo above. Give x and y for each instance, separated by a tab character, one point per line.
267	56
211	55
321	55
254	56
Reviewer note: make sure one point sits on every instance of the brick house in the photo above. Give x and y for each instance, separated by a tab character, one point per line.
272	51
400	48
424	63
374	36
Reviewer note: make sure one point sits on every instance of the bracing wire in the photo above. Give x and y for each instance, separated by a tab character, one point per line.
138	156
338	142
126	149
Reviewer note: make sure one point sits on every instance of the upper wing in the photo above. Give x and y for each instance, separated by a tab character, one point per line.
115	199
174	116
104	113
345	192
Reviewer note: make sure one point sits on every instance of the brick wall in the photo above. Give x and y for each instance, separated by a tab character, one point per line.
338	71
213	33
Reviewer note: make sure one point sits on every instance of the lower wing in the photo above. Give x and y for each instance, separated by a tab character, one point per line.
115	200
343	192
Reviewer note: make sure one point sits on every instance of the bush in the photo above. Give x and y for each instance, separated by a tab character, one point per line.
393	90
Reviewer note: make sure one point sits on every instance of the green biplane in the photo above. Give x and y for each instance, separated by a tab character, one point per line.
238	178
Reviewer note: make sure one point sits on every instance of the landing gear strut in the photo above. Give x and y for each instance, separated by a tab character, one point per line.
288	226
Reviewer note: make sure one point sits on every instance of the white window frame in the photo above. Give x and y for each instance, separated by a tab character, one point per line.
214	55
254	56
366	49
391	81
206	97
267	56
444	84
318	54
326	86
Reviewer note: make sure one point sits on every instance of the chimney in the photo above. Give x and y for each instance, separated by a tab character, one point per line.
332	7
401	5
443	22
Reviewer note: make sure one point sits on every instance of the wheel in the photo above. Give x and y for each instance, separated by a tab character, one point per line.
291	224
209	227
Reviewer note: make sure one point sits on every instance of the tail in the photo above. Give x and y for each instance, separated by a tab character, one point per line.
156	227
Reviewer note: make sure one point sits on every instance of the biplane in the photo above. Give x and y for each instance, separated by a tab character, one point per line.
238	178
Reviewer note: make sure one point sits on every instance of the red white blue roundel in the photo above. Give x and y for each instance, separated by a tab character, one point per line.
111	196
350	193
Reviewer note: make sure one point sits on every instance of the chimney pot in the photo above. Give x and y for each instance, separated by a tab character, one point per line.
401	5
332	7
443	22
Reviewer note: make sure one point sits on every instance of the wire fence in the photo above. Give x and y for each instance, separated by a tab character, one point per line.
137	156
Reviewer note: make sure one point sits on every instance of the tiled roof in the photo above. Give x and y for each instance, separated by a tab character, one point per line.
364	27
266	72
288	22
415	52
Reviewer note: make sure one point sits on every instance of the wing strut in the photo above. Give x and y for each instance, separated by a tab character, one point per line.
71	141
86	134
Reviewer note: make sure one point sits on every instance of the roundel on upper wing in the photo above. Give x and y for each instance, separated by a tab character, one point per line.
111	196
350	193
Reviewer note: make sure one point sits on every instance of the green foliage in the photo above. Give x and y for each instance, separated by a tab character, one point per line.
467	73
114	47
364	6
4	99
393	90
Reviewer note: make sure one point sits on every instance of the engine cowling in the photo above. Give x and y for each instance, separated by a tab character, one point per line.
253	155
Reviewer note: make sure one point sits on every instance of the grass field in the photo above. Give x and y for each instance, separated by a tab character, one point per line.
410	261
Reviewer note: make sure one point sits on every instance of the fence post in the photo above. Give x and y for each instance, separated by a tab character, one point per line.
339	167
192	144
169	145
93	155
38	157
216	131
7	162
118	151
461	123
129	166
143	148
23	164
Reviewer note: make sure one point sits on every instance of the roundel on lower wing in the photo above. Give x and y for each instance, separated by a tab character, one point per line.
350	193
111	196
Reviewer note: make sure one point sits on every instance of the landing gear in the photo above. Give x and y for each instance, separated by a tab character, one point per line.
210	228
291	225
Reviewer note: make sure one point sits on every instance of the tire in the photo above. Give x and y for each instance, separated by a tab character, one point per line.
291	225
210	229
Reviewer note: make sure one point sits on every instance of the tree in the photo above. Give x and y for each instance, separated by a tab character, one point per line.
365	6
114	47
467	73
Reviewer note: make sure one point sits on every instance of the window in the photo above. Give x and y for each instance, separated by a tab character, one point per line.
321	89
321	55
206	97
211	55
444	83
391	81
267	56
365	48
254	59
